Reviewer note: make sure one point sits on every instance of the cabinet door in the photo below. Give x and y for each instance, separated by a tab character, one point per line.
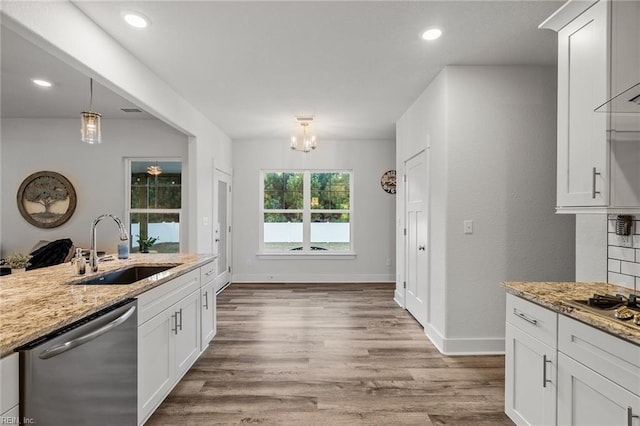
583	177
530	379
155	363
586	398
186	338
208	303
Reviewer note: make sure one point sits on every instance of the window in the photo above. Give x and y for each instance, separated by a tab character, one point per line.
306	212
154	204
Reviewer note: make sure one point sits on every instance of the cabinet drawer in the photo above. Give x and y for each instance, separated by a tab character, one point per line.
610	356
8	382
156	300
533	319
207	273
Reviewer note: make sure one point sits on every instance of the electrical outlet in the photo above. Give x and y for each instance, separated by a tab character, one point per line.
624	240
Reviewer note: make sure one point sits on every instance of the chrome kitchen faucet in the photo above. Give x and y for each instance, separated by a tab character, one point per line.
93	254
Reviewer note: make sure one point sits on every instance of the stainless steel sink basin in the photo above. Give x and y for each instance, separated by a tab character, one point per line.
128	275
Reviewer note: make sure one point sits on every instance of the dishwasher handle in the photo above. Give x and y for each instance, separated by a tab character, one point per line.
67	346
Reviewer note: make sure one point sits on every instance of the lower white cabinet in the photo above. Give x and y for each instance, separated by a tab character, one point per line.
169	337
564	372
530	382
9	388
587	398
208	318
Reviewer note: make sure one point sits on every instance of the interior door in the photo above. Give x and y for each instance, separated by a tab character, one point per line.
222	233
416	242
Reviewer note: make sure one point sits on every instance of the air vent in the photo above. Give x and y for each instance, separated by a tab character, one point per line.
130	110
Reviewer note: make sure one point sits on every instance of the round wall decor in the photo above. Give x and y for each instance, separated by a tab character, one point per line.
46	199
388	181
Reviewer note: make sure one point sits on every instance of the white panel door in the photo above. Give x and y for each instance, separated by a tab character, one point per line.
222	235
416	246
186	332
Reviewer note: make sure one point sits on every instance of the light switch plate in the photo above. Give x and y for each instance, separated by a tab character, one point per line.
468	227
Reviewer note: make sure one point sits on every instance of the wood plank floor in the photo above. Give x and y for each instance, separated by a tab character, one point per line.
331	354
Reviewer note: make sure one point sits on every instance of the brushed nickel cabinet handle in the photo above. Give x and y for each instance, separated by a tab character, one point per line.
593	183
206	300
175	323
525	317
631	416
180	312
544	371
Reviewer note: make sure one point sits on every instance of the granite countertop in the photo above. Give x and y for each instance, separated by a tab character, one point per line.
557	296
34	303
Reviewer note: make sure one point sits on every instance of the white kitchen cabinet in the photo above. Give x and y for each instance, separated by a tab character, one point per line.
168	338
598	152
208	304
583	75
155	362
587	398
187	333
9	386
530	382
530	360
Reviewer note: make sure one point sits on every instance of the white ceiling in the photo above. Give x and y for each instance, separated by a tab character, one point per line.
251	67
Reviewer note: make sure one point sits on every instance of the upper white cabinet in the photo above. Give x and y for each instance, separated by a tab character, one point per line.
582	133
598	152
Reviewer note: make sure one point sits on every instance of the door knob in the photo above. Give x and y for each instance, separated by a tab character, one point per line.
421	248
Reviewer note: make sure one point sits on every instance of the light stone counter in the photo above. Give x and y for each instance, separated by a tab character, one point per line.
554	296
34	303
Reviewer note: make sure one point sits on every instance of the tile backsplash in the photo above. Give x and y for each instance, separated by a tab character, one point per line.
623	253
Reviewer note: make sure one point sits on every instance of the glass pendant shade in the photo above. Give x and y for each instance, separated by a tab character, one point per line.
91	130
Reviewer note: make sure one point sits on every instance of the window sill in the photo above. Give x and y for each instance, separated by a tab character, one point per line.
316	256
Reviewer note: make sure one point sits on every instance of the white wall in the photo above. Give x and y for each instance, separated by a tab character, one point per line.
494	163
97	173
373	217
58	25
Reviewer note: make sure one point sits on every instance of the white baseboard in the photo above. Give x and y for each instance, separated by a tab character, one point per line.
398	296
313	278
464	346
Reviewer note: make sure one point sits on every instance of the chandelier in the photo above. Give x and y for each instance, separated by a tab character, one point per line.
304	142
154	169
90	125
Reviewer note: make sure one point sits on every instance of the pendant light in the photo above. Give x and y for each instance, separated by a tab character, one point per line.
154	169
90	130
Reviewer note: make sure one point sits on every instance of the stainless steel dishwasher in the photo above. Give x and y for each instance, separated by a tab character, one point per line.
85	373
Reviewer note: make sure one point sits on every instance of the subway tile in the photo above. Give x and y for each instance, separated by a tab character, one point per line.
622	253
622	241
630	268
611	225
613	265
623	280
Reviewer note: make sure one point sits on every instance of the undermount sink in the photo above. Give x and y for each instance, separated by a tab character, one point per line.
128	275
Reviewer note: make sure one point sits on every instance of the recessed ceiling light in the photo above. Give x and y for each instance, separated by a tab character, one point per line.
136	19
41	83
432	34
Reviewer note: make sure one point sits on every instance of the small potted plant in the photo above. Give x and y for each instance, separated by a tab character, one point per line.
18	262
145	243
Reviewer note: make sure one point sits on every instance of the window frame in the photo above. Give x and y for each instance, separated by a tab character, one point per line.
306	217
127	207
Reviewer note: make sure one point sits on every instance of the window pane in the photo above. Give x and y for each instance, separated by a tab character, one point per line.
283	191
330	191
282	231
163	226
330	231
163	191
